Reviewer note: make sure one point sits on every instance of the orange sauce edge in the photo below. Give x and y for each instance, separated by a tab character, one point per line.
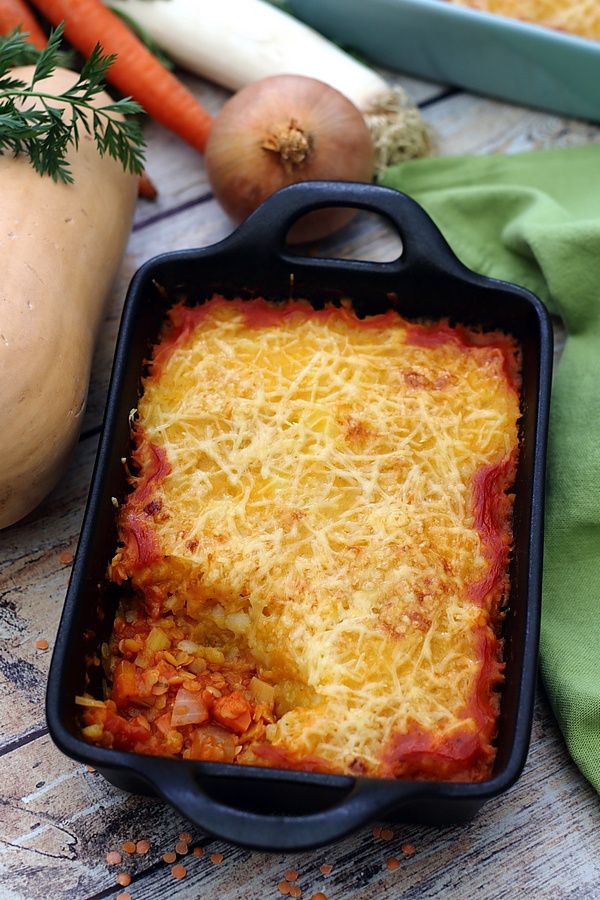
140	546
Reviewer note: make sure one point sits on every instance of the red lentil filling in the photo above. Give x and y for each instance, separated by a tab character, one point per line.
171	696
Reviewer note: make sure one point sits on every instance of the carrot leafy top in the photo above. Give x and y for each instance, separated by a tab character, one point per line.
43	125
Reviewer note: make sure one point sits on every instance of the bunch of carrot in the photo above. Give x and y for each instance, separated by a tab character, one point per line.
136	72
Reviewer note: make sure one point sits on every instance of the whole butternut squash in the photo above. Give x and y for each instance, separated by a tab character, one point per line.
60	249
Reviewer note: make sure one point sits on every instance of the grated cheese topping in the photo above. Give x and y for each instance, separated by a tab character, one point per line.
581	17
316	504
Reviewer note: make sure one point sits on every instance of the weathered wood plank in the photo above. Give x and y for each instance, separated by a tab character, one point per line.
468	124
33	582
58	821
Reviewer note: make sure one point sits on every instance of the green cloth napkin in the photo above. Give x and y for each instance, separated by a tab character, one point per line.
534	219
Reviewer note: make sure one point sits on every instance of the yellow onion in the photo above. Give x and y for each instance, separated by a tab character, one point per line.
188	709
281	130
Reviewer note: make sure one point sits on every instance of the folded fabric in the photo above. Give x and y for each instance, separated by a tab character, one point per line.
534	219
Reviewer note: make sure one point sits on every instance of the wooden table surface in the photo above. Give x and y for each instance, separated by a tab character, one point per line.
58	820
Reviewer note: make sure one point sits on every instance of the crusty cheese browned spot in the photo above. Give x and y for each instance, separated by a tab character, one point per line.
311	489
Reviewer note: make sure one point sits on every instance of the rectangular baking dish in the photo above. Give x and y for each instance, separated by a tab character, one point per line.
487	54
270	808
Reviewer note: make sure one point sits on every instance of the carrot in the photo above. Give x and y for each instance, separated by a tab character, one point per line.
16	14
135	72
147	188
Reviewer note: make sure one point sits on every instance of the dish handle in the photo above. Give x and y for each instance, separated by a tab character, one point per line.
264	232
365	800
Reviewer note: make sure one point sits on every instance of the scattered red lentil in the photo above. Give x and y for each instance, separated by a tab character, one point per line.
42	644
142	846
181	847
291	875
319	896
295	890
392	863
66	557
113	858
90	768
185	836
124	879
179	871
128	847
198	851
216	858
326	869
408	849
169	857
284	887
386	834
124	895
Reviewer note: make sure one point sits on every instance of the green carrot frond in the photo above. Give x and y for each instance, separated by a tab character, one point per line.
45	133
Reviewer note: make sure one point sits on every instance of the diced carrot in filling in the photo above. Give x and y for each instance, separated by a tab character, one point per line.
233	712
212	744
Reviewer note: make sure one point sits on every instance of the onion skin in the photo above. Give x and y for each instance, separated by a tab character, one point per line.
282	130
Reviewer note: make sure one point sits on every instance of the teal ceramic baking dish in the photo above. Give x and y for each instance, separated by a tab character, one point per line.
483	53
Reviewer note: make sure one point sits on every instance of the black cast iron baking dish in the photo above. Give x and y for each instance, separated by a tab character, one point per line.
270	808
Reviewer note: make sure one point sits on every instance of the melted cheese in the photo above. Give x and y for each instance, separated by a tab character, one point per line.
317	505
581	17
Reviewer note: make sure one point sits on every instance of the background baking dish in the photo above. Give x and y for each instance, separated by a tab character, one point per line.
487	54
282	809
